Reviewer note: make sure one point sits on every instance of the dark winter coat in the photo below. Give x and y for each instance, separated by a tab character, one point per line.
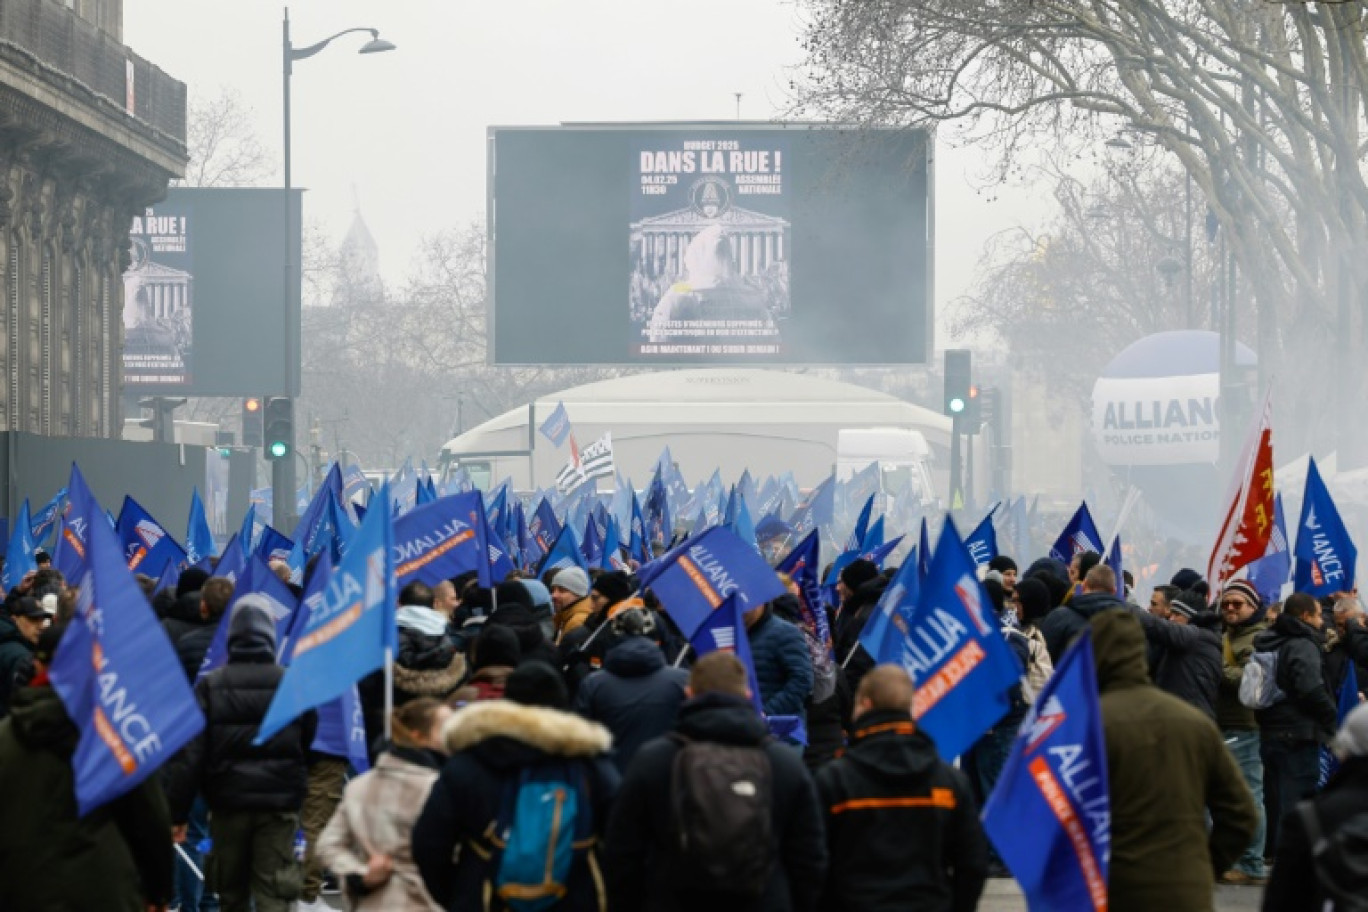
490	744
639	859
783	667
1237	645
1190	661
118	857
1064	623
1167	768
426	665
221	761
902	827
1293	887
15	653
192	644
1308	713
852	660
636	696
1348	647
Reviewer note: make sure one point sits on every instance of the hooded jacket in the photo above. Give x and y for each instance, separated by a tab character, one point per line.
490	744
636	696
1167	767
639	859
118	857
783	668
902	827
1190	661
1308	713
234	774
1061	625
1293	886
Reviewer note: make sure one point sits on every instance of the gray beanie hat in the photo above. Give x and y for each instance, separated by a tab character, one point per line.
573	580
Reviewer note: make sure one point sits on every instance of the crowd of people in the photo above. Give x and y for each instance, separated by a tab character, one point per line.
556	743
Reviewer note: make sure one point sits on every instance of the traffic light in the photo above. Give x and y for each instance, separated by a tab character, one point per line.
957	375
278	418
973	411
251	421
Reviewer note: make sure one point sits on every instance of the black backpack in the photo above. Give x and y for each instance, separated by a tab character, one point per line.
1340	859
722	797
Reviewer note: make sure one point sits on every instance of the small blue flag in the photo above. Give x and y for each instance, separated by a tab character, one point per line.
1325	553
873	539
19	553
857	534
611	558
146	542
801	565
232	562
659	524
725	630
697	576
1113	560
46	519
170	575
440	540
636	546
557	425
1347	702
497	564
982	542
342	730
271	545
592	543
116	672
544	526
890	623
247	535
256	579
199	540
1080	534
1050	814
564	552
349	631
743	526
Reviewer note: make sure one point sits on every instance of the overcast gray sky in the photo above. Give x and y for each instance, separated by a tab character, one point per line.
405	131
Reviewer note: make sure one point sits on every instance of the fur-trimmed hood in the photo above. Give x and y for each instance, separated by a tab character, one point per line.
433	682
549	731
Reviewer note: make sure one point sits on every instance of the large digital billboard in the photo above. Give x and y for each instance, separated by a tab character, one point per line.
204	294
709	244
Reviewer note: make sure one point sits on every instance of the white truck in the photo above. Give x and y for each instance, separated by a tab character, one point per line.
902	454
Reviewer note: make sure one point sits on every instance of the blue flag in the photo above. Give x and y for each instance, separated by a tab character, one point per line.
342	730
924	550
146	542
557	425
247	535
271	545
1080	534
611	558
873	539
659	524
199	540
592	543
743	526
116	672
1325	553
529	552
815	512
891	621
861	529
564	552
544	526
349	631
724	630
1347	702
19	552
73	531
1113	560
46	519
497	564
170	575
232	562
440	540
801	564
697	576
982	542
1268	574
636	546
955	653
255	579
1050	814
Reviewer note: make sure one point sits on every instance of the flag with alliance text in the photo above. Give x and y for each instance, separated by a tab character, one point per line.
696	577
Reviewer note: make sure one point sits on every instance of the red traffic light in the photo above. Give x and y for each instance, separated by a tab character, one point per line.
251	404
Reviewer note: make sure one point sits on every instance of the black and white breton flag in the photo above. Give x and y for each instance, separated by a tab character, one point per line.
595	461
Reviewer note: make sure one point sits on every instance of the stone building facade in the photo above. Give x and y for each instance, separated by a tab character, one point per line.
90	134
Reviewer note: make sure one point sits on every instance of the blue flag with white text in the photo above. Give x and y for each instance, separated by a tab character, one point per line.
46	519
802	566
350	628
982	542
199	540
146	542
1325	553
890	622
544	526
724	630
440	540
1049	816
557	425
564	552
255	579
116	672
697	576
1080	534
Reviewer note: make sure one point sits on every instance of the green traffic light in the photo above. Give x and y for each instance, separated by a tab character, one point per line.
957	405
279	449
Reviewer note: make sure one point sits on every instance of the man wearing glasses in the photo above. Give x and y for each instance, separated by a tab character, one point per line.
1244	617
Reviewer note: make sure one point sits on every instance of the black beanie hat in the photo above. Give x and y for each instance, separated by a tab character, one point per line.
996	594
513	592
191	580
496	645
858	572
1185	578
614	586
1002	563
1036	600
537	684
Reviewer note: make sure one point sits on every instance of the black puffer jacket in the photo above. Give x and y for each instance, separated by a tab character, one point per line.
221	761
1067	621
15	653
1293	887
853	662
640	861
888	852
1190	664
636	696
1308	713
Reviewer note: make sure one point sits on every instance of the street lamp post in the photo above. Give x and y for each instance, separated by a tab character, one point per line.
283	470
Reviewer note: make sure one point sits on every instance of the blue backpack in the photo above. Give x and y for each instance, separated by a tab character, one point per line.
544	818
